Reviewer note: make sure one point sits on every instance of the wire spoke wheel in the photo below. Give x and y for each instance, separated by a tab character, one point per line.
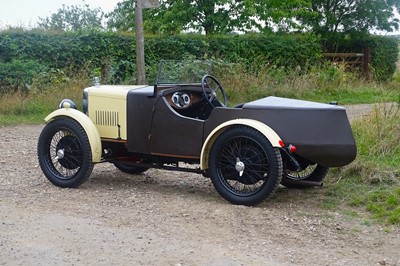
64	153
301	175
252	155
244	167
313	172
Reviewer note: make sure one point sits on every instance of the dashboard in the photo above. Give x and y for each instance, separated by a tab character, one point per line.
184	99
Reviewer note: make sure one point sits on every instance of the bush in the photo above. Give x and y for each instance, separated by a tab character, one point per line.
384	53
255	51
18	75
114	54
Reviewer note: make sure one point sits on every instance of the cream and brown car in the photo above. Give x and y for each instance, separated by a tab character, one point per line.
246	150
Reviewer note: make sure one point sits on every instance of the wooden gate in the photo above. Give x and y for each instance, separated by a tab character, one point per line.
354	60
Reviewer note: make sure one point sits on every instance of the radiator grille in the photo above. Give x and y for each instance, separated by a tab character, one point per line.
107	118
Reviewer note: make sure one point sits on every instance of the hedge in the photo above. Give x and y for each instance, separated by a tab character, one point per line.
17	75
114	54
384	51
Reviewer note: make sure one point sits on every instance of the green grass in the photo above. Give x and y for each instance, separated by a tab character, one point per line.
353	195
356	95
33	106
318	85
372	182
9	120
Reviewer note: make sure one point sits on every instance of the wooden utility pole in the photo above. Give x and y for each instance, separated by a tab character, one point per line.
141	72
140	64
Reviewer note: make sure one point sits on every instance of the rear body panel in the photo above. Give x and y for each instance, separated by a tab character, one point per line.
321	132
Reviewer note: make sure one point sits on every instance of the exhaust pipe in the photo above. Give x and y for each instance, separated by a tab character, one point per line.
303	183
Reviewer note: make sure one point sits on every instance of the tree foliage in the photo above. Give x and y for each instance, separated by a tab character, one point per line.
227	16
175	16
73	18
324	17
352	16
123	17
277	15
201	16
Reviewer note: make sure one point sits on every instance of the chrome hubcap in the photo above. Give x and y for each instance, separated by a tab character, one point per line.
239	166
60	154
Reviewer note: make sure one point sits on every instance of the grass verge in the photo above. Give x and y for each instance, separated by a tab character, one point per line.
33	106
372	182
324	84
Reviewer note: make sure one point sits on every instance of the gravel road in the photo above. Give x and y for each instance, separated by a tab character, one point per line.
169	218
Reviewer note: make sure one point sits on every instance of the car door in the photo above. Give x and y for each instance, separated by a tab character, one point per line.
175	135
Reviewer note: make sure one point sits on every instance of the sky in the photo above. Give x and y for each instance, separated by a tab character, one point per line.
26	12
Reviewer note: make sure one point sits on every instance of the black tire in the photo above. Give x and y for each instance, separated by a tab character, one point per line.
130	169
64	153
262	166
315	173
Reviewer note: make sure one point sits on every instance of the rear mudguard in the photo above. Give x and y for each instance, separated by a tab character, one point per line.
268	132
87	124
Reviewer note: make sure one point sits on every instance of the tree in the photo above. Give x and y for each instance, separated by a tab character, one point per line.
73	18
175	16
122	18
278	15
322	17
208	16
352	16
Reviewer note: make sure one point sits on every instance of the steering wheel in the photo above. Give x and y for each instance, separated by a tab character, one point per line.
213	91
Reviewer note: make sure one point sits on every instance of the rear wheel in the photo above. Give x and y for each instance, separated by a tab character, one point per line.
64	153
314	173
243	166
130	169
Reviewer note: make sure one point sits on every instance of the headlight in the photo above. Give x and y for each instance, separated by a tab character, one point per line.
67	103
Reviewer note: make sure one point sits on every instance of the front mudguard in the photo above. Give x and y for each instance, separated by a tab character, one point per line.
268	132
87	124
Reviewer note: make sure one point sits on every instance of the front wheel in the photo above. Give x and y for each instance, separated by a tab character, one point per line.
64	153
314	173
244	167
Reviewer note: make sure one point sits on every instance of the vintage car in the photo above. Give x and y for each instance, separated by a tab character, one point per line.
247	150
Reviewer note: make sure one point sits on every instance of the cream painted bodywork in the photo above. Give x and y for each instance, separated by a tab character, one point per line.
88	126
107	109
270	134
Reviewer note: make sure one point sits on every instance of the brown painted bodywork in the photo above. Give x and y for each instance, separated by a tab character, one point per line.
321	132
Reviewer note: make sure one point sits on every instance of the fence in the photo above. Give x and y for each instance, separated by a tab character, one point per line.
361	61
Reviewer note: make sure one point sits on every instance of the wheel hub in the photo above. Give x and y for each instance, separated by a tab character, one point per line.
60	154
68	152
239	166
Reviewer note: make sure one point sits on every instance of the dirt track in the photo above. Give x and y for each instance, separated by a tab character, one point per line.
168	218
